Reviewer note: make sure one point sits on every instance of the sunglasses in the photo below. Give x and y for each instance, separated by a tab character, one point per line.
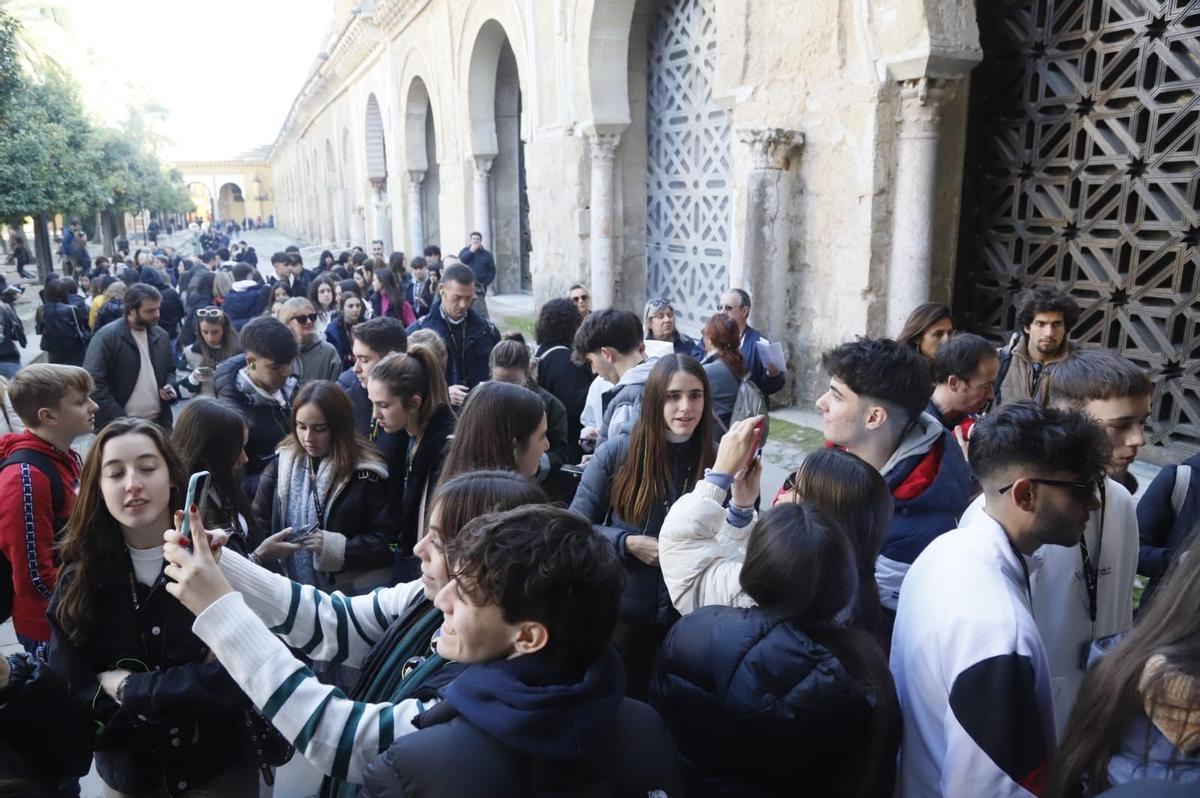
209	313
582	298
305	318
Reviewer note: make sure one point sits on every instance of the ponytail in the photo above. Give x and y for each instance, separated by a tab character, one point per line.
414	373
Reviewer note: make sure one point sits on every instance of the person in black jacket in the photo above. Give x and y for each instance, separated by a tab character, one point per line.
627	489
62	325
168	719
328	486
116	357
260	385
408	394
556	371
171	311
1168	516
45	732
779	698
483	264
468	336
538	709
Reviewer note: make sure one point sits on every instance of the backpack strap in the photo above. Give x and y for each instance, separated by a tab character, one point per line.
1183	481
42	463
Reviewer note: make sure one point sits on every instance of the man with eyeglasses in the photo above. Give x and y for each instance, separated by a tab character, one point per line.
964	370
660	326
581	298
1084	592
736	305
968	659
469	337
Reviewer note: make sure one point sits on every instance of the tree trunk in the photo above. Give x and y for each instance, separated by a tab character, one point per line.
107	232
42	249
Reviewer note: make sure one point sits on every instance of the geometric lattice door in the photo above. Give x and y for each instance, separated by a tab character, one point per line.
1082	172
688	206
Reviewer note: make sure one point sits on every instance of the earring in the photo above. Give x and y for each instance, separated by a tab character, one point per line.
252	366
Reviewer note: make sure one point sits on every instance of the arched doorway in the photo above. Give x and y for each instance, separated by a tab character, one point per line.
421	162
231	204
494	90
689	205
202	203
377	173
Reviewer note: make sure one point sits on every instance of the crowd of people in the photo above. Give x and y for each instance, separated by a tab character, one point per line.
435	559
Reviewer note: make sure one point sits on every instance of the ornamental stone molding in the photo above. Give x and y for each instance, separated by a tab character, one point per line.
604	146
483	166
769	146
921	103
416	176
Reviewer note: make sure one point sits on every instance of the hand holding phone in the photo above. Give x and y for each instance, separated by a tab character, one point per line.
197	491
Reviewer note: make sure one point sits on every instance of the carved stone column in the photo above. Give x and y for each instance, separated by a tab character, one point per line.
766	248
358	226
483	198
909	276
416	214
602	216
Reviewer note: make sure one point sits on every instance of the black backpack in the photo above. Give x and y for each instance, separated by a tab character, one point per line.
58	495
61	330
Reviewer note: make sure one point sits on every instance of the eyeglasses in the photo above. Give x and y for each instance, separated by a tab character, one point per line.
1082	490
305	318
209	313
580	298
727	308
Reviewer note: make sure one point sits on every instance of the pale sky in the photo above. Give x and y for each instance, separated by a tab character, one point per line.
225	71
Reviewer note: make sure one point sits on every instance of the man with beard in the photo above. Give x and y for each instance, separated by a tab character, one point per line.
1045	316
130	360
969	663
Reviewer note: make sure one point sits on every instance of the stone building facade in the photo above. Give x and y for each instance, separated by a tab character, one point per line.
842	160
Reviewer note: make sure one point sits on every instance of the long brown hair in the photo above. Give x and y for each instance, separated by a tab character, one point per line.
851	491
416	372
347	447
494	415
209	436
92	546
645	477
230	345
1111	699
921	319
722	332
464	498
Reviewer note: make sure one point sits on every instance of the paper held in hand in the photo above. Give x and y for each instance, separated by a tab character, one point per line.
771	354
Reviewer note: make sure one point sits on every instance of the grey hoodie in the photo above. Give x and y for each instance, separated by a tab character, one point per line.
623	402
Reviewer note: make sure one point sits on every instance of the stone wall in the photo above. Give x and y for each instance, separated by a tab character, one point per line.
814	96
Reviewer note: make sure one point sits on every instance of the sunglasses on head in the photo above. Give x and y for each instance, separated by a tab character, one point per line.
209	313
305	318
655	305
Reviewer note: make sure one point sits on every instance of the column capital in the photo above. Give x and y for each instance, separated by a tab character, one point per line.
921	102
416	176
769	146
604	146
483	165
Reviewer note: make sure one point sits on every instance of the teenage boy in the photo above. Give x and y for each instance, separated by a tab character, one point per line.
964	371
878	390
610	341
1045	316
469	337
39	477
969	663
1084	592
373	340
530	610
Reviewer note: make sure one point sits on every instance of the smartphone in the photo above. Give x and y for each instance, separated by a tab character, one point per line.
204	371
197	493
301	532
756	447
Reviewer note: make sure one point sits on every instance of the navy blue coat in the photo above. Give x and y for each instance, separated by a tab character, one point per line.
1163	532
482	264
757	707
470	366
755	366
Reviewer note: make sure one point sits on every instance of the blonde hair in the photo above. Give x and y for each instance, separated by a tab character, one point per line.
296	304
41	385
222	284
430	340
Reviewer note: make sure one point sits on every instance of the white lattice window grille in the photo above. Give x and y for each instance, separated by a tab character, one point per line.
689	203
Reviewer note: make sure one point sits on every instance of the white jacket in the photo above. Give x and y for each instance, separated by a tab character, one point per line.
701	554
1060	599
970	671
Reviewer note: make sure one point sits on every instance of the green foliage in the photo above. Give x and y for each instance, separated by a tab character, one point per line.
10	67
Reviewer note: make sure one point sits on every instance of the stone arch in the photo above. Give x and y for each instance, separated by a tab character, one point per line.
231	202
421	160
375	151
495	98
202	199
608	64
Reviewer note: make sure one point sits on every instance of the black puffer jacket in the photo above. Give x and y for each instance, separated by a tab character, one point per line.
183	717
269	421
45	732
758	708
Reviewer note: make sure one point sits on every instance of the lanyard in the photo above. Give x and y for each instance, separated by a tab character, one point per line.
1091	567
312	487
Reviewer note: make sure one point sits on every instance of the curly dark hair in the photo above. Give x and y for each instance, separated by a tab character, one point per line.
557	323
545	564
1046	299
